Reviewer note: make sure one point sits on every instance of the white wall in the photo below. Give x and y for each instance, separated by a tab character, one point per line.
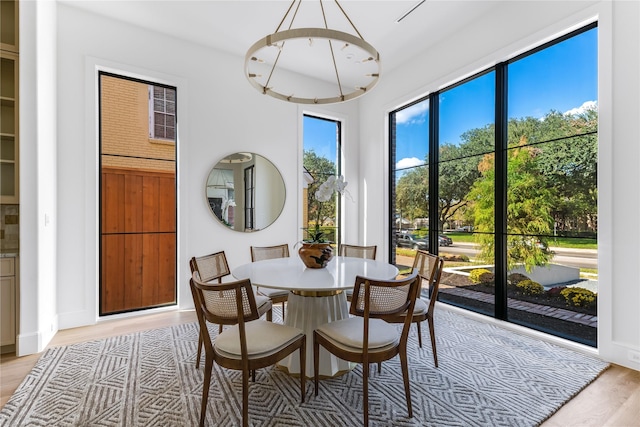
512	28
37	321
218	113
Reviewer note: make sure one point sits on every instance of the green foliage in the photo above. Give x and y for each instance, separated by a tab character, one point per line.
579	297
319	168
515	278
528	209
476	273
412	192
529	287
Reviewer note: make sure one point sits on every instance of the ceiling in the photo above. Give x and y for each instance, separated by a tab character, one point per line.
233	26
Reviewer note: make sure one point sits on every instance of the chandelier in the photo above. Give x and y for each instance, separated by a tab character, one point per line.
280	64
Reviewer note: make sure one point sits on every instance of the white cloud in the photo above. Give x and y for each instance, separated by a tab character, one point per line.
587	105
409	162
415	114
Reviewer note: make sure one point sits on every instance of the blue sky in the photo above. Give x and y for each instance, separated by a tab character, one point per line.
561	78
320	135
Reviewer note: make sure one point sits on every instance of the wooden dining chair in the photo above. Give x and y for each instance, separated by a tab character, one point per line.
429	269
259	253
367	337
214	267
246	346
355	251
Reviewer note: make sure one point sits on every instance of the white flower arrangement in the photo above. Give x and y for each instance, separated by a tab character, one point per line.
324	193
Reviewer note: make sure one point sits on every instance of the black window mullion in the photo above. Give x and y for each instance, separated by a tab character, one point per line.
500	203
392	188
434	159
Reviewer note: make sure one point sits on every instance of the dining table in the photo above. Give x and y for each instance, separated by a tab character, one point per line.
316	296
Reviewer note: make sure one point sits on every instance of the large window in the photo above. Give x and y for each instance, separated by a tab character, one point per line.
499	176
321	148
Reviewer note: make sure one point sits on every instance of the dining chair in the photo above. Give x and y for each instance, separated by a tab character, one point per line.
355	251
429	269
367	337
259	253
248	345
214	267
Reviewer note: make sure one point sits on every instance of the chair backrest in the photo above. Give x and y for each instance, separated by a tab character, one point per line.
259	253
355	251
429	269
221	302
210	267
385	299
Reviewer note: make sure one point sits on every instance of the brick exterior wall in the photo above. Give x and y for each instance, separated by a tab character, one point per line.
125	128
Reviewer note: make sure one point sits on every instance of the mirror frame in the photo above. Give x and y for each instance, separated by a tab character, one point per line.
226	192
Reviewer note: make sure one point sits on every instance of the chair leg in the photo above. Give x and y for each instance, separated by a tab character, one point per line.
405	376
303	367
433	341
199	350
208	365
282	311
419	334
379	367
316	362
365	392
245	398
270	315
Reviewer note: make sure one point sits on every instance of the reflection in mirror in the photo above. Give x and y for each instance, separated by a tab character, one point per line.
245	192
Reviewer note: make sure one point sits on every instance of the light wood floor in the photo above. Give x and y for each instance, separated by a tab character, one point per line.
612	400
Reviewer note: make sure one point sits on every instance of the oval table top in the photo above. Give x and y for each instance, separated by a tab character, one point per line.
291	274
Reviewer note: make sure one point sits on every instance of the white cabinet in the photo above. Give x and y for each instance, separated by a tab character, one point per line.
8	303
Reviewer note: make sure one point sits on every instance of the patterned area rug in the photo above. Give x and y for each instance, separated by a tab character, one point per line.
487	377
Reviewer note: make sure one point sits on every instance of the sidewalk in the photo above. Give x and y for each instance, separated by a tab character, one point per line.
558	313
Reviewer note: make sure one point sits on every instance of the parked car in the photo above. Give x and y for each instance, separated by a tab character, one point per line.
414	242
411	241
444	240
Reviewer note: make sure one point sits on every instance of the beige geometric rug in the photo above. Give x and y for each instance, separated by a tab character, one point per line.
487	376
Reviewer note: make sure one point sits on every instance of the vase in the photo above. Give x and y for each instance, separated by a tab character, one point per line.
315	255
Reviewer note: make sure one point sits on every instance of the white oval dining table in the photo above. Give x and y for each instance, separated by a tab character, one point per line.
316	297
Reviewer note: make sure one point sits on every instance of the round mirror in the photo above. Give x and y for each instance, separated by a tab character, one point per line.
245	192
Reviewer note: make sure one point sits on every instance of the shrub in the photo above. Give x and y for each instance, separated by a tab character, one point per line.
475	274
515	278
579	297
529	287
455	258
555	291
487	279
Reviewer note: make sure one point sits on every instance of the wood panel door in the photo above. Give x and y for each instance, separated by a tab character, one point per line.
138	240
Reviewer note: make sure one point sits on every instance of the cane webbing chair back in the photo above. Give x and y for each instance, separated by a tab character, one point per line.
261	253
211	267
355	251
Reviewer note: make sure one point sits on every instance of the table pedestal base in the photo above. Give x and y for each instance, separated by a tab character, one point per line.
307	313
